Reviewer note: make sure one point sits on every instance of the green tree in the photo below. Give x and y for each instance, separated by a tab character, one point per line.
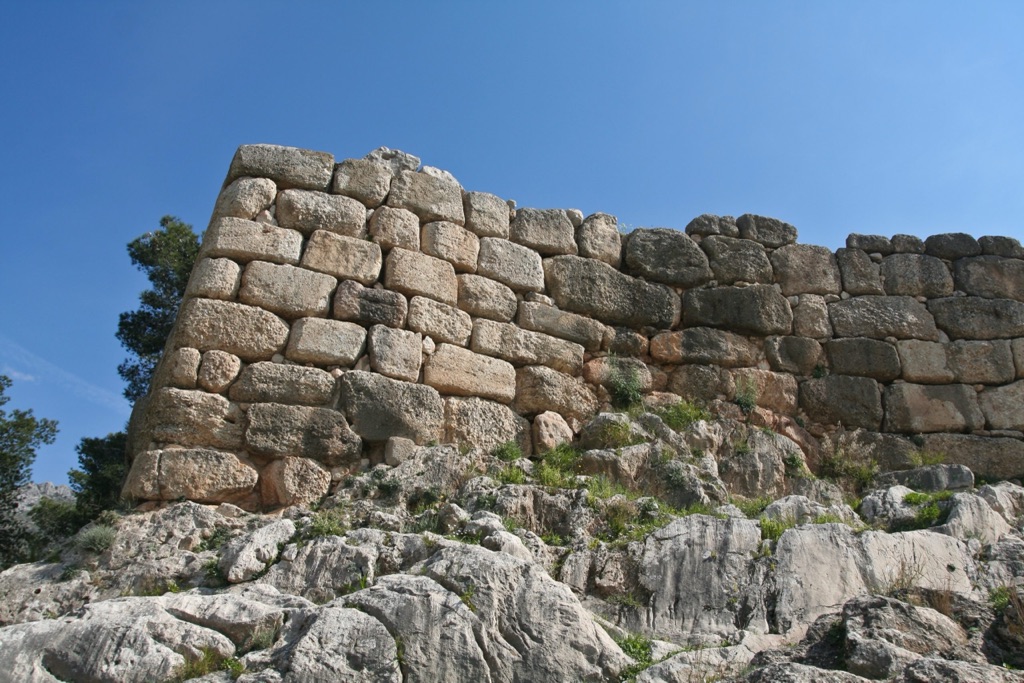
97	485
21	433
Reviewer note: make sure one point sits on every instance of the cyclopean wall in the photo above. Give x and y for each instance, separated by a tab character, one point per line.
338	314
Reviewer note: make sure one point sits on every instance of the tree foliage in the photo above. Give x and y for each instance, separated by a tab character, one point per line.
97	484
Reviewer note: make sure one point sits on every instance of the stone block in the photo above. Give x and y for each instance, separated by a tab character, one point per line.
595	289
366	180
429	197
981	362
283	431
248	332
307	212
440	322
346	258
487	215
929	478
607	371
355	303
523	347
191	418
1007	247
860	274
395	353
391	228
293	481
513	265
547	231
734	260
325	342
286	166
623	341
907	244
871	244
379	407
216	278
795	355
267	382
704	345
413	274
485	425
771	232
703	383
245	198
1003	406
990	277
1017	346
598	238
951	246
452	243
540	389
710	224
810	317
485	298
989	458
806	269
183	368
455	370
919	408
218	370
667	256
289	291
398	449
395	159
879	317
774	391
244	241
851	401
540	317
863	357
550	430
755	310
199	474
924	362
915	275
972	317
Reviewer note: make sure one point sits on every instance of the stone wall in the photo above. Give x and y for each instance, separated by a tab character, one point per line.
339	312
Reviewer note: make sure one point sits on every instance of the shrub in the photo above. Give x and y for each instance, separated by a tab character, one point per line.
772	529
624	385
96	539
683	414
848	472
752	507
638	647
558	467
746	396
326	523
508	451
616	434
512	475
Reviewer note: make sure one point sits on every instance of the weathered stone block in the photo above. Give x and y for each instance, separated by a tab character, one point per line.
244	241
398	449
325	342
1017	346
216	278
487	215
991	277
392	228
546	231
510	264
863	357
452	243
550	430
379	407
287	166
704	345
486	298
756	310
608	371
289	291
484	424
346	258
915	275
879	317
734	260
972	317
596	289
191	418
367	180
248	332
294	481
667	256
989	458
244	198
710	224
796	355
907	244
1007	247
981	362
770	232
1004	406
199	474
924	362
365	306
852	401
524	347
218	370
919	408
539	317
806	269
307	211
859	273
412	273
440	322
539	389
598	238
429	197
774	391
395	353
702	383
951	246
283	431
810	317
872	244
183	368
278	383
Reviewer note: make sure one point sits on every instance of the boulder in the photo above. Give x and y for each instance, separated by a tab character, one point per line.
667	256
523	347
918	408
214	278
806	269
440	322
863	357
346	258
916	275
455	370
485	298
1007	247
735	260
307	211
266	382
218	370
326	342
452	243
429	197
477	423
378	407
550	430
294	481
540	389
871	244
287	166
245	198
368	307
879	317
288	291
598	238
771	232
391	228
852	401
581	330
755	310
951	246
795	355
395	159
511	264
907	244
412	274
859	273
244	241
547	231
710	224
244	557
278	431
609	371
487	215
972	317
990	277
929	478
367	180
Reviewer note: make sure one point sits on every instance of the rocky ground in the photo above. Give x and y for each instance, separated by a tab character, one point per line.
664	547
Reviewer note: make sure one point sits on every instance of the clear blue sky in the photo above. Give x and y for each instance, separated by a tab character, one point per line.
876	117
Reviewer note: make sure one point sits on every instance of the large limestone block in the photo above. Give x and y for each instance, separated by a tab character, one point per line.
484	424
775	391
924	362
710	224
412	273
454	244
278	431
307	211
325	342
1007	247
795	355
872	244
915	275
523	347
667	256
395	353
289	291
859	273
864	357
973	317
244	198
550	430
244	241
596	289
358	304
607	371
455	370
547	231
486	298
951	246
879	317
988	457
704	345
183	368
266	382
702	383
734	260
248	332
991	277
218	370
907	244
771	232
379	407
367	180
429	197
392	228
806	269
199	474
518	267
395	159
440	322
287	166
918	408
1004	406
487	215
540	317
598	238
810	317
346	258
293	481
214	278
852	401
981	362
756	310
539	389
191	418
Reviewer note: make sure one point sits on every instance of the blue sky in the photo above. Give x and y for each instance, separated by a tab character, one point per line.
875	117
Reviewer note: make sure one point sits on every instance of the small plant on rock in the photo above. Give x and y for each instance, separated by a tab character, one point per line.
327	523
508	451
681	415
96	539
624	385
638	647
746	396
512	475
